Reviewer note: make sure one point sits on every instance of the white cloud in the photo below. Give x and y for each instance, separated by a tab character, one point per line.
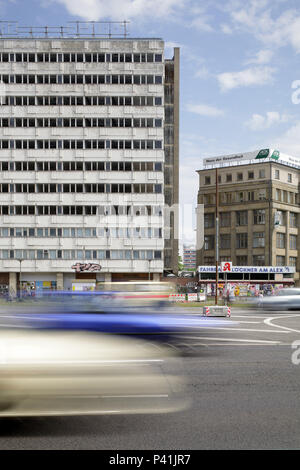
121	9
259	18
205	110
262	57
289	141
248	77
202	72
259	122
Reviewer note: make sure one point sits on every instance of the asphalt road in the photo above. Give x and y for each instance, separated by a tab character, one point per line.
245	393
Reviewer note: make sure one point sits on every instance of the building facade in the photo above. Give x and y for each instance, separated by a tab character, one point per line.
258	214
189	257
85	171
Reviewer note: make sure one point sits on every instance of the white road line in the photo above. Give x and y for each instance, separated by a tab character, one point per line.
236	340
268	321
241	329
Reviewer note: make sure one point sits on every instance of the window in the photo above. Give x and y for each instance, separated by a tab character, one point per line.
290	178
240	176
241	218
293	220
259	216
250	175
280	240
293	261
225	240
242	240
277	175
225	219
207	180
242	260
209	260
279	218
262	194
228	177
209	220
262	173
259	260
278	194
258	239
209	241
280	260
293	242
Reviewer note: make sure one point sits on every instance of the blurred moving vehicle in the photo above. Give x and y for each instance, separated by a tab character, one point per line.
104	312
286	299
59	373
139	293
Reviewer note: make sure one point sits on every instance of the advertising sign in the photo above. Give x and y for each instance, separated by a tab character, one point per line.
251	269
226	266
262	155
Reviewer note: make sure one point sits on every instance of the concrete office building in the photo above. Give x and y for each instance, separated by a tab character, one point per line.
88	159
258	213
189	257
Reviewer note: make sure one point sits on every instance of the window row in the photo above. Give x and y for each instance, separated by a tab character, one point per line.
242	241
241	176
285	196
81	188
79	79
114	210
241	218
75	255
81	144
81	100
78	232
79	57
80	166
243	260
80	122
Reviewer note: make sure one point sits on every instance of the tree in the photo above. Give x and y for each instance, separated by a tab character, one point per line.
180	263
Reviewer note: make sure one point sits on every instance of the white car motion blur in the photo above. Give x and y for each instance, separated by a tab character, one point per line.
286	299
72	373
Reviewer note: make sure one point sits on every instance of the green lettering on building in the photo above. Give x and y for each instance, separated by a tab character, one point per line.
264	153
275	155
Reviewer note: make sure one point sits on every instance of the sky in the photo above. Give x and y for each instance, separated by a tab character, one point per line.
239	77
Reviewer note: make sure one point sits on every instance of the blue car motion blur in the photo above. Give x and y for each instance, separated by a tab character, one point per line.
103	312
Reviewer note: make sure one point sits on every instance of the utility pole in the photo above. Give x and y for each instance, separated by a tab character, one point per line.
217	238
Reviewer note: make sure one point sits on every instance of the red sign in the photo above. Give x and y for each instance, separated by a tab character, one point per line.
226	266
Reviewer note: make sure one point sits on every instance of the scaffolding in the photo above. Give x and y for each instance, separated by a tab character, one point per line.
75	29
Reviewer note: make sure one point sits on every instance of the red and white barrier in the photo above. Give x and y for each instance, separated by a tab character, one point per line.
177	297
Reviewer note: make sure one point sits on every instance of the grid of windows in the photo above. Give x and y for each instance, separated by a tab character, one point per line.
81	210
99	100
81	144
79	79
79	57
80	122
80	232
81	188
80	254
80	166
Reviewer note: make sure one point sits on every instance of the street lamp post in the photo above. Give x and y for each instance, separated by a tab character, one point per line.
217	238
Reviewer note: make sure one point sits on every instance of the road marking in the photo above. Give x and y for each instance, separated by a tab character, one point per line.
268	321
235	340
241	329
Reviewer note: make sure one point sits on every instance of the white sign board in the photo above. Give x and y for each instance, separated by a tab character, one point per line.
251	269
255	156
192	297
